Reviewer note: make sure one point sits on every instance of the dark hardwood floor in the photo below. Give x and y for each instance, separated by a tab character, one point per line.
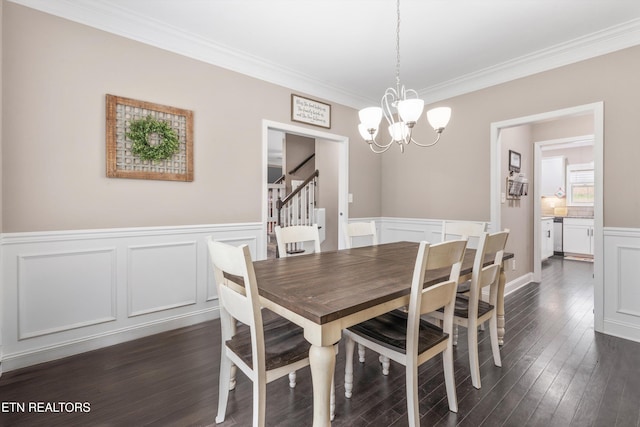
555	372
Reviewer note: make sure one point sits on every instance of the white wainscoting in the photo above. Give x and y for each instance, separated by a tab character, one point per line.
622	282
66	292
401	229
409	229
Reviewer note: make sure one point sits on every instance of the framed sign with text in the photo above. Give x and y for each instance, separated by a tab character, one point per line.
305	110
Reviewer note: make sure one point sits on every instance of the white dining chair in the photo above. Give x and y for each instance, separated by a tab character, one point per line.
297	240
470	230
471	310
360	229
407	339
293	241
264	351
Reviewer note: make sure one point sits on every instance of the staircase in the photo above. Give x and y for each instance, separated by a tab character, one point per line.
276	192
296	208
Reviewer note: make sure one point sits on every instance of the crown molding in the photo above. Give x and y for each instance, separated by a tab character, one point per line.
590	46
114	19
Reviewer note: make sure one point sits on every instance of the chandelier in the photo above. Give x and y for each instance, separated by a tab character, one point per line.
402	108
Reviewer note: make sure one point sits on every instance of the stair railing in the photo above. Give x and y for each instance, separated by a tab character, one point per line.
298	208
275	193
302	163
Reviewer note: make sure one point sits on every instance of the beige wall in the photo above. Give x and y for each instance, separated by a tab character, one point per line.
517	214
327	152
296	149
56	76
573	155
452	179
565	127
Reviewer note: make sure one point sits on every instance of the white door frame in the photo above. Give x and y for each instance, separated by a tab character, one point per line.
597	109
343	171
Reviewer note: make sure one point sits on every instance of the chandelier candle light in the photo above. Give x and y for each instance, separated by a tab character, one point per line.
408	109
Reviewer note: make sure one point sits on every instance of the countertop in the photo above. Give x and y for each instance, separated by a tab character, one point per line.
546	217
575	216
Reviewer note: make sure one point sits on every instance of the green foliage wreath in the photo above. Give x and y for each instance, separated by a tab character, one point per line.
139	131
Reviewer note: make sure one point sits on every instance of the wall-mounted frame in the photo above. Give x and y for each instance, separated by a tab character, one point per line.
122	163
305	110
514	161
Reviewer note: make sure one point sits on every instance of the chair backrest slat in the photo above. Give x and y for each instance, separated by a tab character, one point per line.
286	236
236	305
437	296
360	229
470	230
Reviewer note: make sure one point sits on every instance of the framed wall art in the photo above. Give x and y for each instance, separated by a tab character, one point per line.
148	141
305	110
514	161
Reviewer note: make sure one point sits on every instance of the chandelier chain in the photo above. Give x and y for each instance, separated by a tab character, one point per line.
398	48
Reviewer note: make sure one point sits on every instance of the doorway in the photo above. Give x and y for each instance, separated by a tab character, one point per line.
340	154
560	195
497	175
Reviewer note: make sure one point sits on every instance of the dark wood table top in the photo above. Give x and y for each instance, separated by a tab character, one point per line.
327	286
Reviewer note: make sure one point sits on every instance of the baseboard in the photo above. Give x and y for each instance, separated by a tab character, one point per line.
518	283
64	349
513	285
624	330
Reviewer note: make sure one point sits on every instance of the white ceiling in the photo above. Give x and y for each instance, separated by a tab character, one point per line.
344	50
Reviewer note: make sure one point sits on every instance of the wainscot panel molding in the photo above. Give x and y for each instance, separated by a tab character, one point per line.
621	282
410	229
53	295
154	271
66	292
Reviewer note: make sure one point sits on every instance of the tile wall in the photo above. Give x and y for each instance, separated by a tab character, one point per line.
555	206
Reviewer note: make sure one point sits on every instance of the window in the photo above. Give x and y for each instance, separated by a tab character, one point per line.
580	185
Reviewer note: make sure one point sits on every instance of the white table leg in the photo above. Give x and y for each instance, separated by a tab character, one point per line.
502	280
323	361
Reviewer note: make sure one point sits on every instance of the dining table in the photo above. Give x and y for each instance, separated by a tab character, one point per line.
327	292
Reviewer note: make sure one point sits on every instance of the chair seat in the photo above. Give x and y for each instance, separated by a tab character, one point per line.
465	287
462	307
284	343
390	330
